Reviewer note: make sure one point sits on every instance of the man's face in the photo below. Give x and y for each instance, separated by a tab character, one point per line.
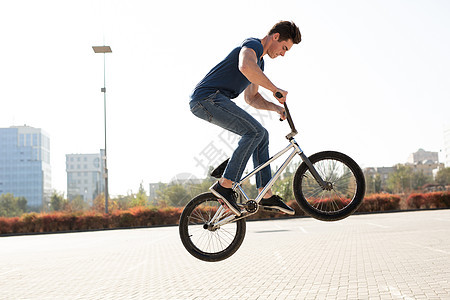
279	48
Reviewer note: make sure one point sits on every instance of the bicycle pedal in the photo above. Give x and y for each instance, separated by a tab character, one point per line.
240	205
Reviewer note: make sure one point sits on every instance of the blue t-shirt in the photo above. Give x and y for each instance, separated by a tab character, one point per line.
226	77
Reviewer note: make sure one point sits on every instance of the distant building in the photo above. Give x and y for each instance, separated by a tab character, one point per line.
25	169
184	179
427	167
422	161
382	172
422	156
85	176
426	162
152	192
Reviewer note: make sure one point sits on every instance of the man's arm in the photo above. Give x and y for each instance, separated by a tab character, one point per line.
249	67
254	98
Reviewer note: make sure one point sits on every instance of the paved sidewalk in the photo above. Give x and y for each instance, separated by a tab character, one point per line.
380	256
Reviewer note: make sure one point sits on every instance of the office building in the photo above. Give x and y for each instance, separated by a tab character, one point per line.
85	176
25	165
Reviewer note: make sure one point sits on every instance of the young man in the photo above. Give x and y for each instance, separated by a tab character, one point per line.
242	71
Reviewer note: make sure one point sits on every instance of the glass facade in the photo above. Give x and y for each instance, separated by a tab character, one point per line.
25	164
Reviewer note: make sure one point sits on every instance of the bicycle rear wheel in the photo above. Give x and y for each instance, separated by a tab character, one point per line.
345	193
204	241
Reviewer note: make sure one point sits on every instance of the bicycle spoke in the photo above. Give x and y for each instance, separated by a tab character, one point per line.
342	180
210	239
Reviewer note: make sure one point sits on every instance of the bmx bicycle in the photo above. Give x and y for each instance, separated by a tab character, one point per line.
328	186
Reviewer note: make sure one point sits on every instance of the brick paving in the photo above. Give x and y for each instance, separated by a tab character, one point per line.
381	256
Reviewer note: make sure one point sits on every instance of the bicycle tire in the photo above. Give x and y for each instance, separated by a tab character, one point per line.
203	243
348	186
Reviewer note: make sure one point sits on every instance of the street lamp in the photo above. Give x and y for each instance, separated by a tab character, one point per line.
104	50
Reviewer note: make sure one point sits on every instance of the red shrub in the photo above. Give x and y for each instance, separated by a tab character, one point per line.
66	222
143	216
415	201
90	220
380	202
7	225
170	215
429	200
28	223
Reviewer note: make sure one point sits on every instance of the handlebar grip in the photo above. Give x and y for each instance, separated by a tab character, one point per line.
279	95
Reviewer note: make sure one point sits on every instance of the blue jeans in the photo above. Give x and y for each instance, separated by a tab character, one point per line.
221	111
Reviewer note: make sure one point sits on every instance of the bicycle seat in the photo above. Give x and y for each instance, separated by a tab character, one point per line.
218	172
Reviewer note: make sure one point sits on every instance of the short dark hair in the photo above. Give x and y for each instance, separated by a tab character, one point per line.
287	30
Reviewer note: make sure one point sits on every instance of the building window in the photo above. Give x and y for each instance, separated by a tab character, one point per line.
35	139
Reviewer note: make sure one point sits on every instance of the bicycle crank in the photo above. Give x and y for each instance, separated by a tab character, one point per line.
251	206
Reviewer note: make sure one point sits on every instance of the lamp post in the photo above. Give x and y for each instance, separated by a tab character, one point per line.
104	50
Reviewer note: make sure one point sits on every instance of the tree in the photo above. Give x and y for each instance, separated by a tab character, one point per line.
174	195
57	201
99	203
141	197
122	202
11	206
418	180
283	188
400	180
404	179
77	204
373	183
443	176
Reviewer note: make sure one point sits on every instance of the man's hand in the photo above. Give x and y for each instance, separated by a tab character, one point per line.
281	111
282	92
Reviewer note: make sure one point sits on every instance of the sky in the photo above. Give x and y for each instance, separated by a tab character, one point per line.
370	79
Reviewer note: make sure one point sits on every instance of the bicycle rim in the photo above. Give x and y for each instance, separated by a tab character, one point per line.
203	240
343	191
346	192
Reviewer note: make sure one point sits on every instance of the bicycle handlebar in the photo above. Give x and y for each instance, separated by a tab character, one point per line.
288	117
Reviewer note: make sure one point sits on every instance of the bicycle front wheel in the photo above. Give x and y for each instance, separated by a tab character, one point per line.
345	191
204	240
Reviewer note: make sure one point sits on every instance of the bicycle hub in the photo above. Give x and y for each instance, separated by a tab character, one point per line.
328	186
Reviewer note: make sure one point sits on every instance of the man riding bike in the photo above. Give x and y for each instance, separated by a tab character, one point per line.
242	71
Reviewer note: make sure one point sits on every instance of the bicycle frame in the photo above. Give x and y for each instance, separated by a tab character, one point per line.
238	185
295	150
